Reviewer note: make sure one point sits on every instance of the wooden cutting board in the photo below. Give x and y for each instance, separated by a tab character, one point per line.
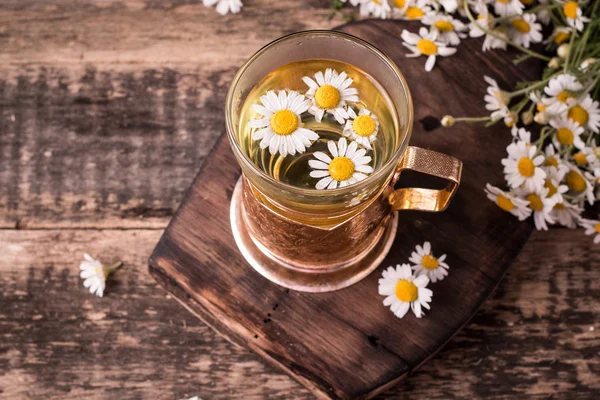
346	344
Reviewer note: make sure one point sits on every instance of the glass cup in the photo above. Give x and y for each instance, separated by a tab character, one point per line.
322	240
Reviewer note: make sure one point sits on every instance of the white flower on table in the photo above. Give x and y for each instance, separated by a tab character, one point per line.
574	15
331	93
496	100
280	128
522	167
559	36
505	8
592	227
348	165
404	291
94	274
362	128
425	43
225	6
426	264
415	9
566	214
450	30
485	22
524	30
585	112
568	133
541	205
579	185
508	202
559	90
376	8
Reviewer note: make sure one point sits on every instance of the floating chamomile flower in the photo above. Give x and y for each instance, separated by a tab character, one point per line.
559	90
508	202
522	167
416	9
574	15
404	291
348	165
541	205
496	100
225	6
566	214
592	227
282	130
361	128
94	274
505	8
450	30
585	112
524	30
568	132
425	44
426	264
331	93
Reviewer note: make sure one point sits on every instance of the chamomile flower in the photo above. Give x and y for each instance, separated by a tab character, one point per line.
541	206
94	274
524	30
568	133
543	13
498	40
559	90
560	35
449	5
508	202
417	9
574	15
425	44
348	165
578	184
592	227
566	214
225	6
362	128
376	8
496	100
399	8
280	128
485	22
554	176
426	264
449	30
585	112
505	8
522	167
521	134
331	93
404	291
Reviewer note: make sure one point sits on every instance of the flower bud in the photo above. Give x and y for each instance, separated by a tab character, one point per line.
554	63
541	118
587	62
447	121
527	117
563	50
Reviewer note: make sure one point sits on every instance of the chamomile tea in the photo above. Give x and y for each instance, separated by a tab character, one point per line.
318	124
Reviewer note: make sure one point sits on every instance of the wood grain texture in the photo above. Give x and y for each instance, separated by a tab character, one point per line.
538	337
344	344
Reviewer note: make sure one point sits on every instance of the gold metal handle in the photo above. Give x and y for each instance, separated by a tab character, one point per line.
431	163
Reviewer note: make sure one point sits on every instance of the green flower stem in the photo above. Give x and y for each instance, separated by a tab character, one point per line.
473	119
111	268
495	35
529	88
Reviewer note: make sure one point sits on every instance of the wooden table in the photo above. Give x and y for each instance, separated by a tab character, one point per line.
107	110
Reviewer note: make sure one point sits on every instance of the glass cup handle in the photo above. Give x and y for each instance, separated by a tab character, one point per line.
431	163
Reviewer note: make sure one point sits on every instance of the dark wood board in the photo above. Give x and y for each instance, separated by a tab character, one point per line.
345	344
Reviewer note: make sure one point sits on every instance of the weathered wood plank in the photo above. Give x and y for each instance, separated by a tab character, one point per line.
107	109
539	336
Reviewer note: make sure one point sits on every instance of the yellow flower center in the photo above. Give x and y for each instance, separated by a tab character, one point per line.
378	2
575	181
526	167
502	1
580	158
579	115
540	107
564	96
284	122
327	97
444	26
535	202
551	162
527	2
551	188
521	25
564	136
559	206
341	168
430	262
560	37
597	227
570	9
504	203
406	291
400	3
427	47
364	125
414	13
